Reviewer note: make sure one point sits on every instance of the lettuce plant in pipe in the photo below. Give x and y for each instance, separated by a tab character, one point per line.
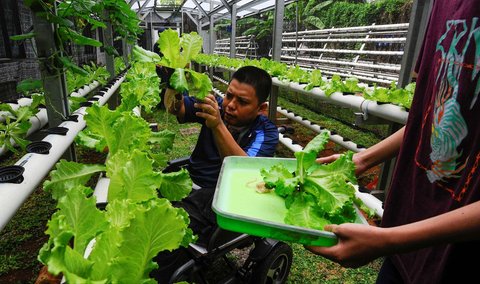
136	224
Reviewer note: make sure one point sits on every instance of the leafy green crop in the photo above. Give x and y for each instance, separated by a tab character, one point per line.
316	194
177	54
126	236
137	223
17	123
312	79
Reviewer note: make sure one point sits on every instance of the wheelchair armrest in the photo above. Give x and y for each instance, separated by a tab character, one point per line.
176	165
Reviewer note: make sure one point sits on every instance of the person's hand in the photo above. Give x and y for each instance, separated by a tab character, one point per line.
357	245
210	111
359	166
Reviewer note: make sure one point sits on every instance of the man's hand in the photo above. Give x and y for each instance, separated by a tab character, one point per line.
209	111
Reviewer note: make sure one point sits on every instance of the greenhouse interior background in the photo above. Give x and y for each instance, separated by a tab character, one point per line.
81	107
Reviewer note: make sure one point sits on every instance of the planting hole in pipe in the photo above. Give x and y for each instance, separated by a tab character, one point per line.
154	127
101	205
57	130
11	174
39	147
73	118
86	104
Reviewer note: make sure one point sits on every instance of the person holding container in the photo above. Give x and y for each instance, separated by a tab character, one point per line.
430	229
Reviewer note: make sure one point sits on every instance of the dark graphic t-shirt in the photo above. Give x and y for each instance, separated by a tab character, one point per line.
440	153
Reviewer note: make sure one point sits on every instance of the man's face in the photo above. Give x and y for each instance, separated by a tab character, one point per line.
241	104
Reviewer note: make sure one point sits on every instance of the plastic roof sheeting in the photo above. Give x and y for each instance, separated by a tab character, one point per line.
218	10
203	9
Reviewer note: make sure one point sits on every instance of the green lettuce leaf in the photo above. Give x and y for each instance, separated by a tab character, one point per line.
302	212
131	176
69	175
306	158
176	185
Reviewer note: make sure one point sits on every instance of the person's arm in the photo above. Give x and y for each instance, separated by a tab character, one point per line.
378	153
174	104
226	145
359	244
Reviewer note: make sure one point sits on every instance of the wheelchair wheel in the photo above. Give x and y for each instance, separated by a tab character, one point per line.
275	267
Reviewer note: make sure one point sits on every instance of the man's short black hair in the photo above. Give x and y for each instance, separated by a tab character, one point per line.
258	78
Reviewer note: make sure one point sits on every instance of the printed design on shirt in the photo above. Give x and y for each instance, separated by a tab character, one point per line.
449	128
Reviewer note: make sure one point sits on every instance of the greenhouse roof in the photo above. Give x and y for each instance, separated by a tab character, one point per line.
203	10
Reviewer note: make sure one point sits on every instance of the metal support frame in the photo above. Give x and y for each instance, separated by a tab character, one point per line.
416	33
276	53
53	78
110	62
233	34
336	59
143	6
108	41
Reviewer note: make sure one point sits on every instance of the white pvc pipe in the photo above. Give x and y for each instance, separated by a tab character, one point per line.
370	201
82	92
15	106
38	121
349	29
37	166
395	67
335	137
289	143
336	40
101	190
347	51
28	101
137	111
387	111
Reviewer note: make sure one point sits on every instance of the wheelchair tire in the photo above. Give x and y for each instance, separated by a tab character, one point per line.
275	267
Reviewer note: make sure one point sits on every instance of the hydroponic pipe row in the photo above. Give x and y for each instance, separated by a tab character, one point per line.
312	126
388	112
39	120
81	92
36	166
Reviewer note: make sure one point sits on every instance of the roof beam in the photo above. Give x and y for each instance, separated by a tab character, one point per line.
192	18
229	8
217	9
132	2
200	8
142	17
143	6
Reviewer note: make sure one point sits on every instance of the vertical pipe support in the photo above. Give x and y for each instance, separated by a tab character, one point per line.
233	34
276	53
53	77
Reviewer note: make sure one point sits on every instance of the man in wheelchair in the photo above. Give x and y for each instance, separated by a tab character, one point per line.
235	125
